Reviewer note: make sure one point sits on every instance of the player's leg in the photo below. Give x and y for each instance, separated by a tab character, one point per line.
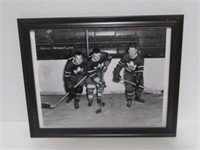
129	88
100	89
68	86
78	91
90	91
138	91
101	76
100	95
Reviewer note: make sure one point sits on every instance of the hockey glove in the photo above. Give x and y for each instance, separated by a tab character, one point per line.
99	84
104	69
116	77
137	82
97	80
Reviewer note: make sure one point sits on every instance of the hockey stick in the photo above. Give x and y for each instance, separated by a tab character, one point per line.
149	89
47	105
100	107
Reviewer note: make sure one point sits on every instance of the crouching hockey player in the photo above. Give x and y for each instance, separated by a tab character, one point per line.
73	73
97	66
133	64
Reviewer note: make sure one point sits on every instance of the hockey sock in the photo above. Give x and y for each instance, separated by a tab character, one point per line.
129	97
77	99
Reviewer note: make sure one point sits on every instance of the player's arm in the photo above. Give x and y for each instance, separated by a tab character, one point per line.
91	70
68	75
118	68
139	70
107	61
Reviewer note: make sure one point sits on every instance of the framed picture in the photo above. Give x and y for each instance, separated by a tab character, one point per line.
102	76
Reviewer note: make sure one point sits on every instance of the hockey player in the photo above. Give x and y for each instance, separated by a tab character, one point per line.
133	64
97	66
73	73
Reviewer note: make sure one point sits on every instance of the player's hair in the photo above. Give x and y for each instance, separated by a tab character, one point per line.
133	45
96	50
78	53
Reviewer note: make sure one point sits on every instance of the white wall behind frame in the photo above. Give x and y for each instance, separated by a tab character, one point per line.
14	103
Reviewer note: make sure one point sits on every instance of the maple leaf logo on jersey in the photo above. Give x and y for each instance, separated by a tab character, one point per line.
99	66
78	70
131	65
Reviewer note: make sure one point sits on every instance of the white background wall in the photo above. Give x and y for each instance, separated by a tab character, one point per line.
51	76
14	126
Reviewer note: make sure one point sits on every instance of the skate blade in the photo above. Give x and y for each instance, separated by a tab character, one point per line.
98	111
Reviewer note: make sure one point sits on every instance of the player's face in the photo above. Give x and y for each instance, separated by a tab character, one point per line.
96	56
132	52
78	59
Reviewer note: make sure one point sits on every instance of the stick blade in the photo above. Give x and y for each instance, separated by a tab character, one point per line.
46	105
98	111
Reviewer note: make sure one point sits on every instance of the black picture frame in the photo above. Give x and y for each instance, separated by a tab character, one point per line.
175	22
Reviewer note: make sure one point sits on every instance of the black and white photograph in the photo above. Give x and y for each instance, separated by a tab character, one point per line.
103	75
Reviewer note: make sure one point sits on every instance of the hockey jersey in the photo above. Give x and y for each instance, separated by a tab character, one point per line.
95	66
133	66
71	68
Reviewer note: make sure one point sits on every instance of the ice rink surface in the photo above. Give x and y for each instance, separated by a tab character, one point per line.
114	114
